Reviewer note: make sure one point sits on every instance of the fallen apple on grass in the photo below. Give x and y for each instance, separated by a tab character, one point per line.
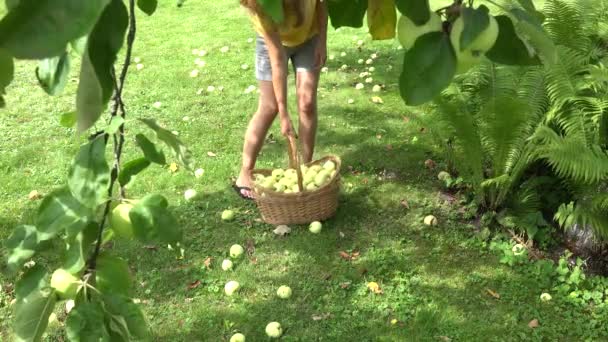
227	215
315	227
238	337
284	292
430	220
227	264
231	287
274	330
236	251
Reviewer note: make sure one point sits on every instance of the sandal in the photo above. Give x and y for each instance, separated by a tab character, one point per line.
239	190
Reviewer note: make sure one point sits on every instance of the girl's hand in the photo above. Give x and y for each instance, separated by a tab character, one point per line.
286	126
320	54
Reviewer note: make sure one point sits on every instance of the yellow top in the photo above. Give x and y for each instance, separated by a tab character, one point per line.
291	35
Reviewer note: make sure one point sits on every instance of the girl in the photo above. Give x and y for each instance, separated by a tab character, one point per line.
301	38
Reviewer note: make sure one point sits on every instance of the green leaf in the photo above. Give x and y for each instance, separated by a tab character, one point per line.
348	13
381	19
123	307
32	314
273	8
131	169
417	11
152	221
60	212
532	32
34	279
22	245
7	70
68	119
85	323
10	4
428	68
112	275
475	22
528	5
80	44
89	176
115	124
78	248
151	152
147	6
52	73
509	49
180	150
37	29
96	82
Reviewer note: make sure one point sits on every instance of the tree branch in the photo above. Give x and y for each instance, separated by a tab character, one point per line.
119	138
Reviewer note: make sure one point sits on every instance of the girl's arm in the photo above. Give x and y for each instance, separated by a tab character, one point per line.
278	62
321	53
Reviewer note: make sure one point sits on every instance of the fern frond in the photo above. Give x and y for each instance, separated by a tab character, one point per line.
570	158
532	91
562	76
566	22
575	213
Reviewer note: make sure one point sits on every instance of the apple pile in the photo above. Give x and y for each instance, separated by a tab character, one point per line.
286	181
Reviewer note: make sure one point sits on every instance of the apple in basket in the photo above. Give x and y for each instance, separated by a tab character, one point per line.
286	180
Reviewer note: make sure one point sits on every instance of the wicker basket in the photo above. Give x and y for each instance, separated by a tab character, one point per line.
301	207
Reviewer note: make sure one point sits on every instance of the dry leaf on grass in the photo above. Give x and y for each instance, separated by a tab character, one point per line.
493	293
194	285
211	154
534	324
282	230
319	317
34	195
208	262
173	167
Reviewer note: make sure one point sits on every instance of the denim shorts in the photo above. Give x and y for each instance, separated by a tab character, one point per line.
302	57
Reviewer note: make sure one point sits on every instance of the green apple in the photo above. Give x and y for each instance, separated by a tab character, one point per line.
279	187
303	169
227	215
236	251
190	194
321	177
333	174
231	287
287	191
309	177
329	165
278	173
430	220
443	176
311	186
316	168
268	183
65	284
274	330
53	322
518	249
315	227
227	264
295	188
120	221
545	297
408	31
284	292
474	53
238	337
290	173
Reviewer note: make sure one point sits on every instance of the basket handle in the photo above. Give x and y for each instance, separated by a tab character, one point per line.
294	159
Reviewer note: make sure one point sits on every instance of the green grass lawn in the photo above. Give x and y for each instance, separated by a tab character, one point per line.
435	281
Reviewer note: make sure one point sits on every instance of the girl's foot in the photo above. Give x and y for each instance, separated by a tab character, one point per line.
243	186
